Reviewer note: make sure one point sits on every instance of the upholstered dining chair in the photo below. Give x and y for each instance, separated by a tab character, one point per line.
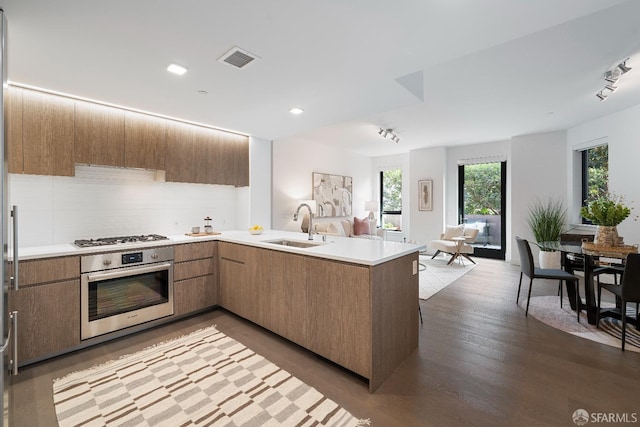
627	291
527	268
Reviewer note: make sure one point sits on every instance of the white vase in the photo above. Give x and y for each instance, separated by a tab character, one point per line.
549	259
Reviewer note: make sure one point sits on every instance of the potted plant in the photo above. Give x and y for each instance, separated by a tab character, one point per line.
606	211
546	221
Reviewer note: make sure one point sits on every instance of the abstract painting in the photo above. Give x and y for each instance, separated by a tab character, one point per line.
425	197
332	194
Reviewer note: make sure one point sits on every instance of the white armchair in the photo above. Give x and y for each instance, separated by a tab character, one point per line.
456	241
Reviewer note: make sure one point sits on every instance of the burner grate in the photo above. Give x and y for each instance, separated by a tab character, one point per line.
106	241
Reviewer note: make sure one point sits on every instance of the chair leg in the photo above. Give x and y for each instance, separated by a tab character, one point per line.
420	311
519	285
526	312
436	254
578	300
598	310
624	321
561	296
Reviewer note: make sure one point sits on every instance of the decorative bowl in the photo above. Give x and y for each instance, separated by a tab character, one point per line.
255	232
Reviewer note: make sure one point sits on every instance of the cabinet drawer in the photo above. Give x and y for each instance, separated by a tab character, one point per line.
186	270
48	270
233	252
191	251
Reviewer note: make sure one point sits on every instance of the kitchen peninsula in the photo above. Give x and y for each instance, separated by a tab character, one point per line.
352	301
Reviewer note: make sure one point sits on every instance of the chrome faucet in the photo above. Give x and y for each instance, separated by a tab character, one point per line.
295	218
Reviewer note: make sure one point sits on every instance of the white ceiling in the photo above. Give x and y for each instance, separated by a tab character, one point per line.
491	69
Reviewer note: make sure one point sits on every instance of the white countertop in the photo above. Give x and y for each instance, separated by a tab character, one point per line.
347	249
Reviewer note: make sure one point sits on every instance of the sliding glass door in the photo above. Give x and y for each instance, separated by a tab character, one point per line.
482	205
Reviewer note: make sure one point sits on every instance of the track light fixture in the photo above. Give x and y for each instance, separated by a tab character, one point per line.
623	66
388	134
612	77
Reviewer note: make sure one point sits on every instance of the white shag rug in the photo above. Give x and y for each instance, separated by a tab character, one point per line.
435	274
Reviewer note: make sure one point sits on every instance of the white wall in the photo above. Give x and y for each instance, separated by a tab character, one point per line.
260	190
538	170
104	202
622	131
293	163
430	164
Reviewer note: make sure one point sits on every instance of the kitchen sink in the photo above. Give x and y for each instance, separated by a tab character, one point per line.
294	243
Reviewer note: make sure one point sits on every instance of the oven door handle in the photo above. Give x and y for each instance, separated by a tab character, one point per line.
128	272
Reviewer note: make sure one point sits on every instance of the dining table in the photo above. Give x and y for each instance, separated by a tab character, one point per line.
590	258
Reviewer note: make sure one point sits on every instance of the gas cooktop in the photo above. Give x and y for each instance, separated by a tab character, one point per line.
106	241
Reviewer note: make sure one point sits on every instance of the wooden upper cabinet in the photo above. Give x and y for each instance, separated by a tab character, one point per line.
144	141
179	153
47	134
207	156
99	134
13	128
230	164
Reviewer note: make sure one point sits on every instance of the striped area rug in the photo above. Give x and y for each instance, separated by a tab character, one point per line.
614	328
205	378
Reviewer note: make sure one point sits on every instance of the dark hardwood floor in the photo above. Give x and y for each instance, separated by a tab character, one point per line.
480	362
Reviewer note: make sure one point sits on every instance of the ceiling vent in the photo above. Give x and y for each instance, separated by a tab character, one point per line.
239	58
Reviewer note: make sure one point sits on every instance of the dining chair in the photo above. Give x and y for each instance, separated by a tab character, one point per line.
627	291
527	268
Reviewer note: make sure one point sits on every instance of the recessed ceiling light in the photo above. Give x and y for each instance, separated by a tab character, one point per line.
296	110
176	69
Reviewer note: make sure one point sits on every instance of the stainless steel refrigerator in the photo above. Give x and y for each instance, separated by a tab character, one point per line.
7	320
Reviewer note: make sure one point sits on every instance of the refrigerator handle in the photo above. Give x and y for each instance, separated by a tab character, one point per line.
14	323
13	358
14	216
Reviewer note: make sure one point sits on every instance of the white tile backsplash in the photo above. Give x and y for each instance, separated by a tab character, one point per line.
102	202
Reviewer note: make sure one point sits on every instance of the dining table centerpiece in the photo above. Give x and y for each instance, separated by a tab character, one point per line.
606	212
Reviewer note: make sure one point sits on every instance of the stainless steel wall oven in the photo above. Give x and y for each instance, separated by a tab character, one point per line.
123	289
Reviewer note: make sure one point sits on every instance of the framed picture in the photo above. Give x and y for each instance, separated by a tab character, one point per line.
332	194
425	195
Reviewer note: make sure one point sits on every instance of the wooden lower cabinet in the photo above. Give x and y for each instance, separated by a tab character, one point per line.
364	318
195	284
48	306
48	318
288	296
338	321
245	281
195	294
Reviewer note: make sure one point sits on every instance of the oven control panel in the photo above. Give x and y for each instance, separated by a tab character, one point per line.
132	258
111	260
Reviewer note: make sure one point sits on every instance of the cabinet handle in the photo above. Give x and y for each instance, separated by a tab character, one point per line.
14	216
237	261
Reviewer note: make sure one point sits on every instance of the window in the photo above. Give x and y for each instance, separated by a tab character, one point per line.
391	199
595	173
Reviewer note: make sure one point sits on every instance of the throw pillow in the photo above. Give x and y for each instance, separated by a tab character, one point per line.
360	226
453	231
347	227
335	229
321	227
